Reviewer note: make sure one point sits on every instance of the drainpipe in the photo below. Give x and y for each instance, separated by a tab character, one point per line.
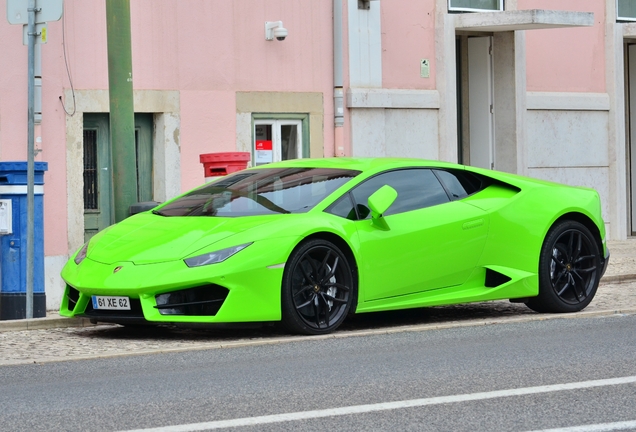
338	94
122	114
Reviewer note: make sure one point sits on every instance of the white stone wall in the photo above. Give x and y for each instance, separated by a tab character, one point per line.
395	132
53	283
568	141
392	122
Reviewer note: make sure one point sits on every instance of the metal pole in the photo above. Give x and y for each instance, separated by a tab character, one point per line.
30	163
122	114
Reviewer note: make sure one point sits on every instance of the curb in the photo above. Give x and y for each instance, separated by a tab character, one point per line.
618	278
53	322
43	323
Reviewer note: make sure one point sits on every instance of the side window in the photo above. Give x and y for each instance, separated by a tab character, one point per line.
343	207
416	188
459	184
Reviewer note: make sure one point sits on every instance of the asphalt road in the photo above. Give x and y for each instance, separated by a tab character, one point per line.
491	378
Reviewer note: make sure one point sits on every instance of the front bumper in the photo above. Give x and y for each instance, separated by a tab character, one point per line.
605	261
161	292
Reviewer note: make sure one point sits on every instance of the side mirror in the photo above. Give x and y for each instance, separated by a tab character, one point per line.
141	207
379	202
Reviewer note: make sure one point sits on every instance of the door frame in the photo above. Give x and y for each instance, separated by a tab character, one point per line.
275	119
630	125
98	219
144	125
480	93
104	215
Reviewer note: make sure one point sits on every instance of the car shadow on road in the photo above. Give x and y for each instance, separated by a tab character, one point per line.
361	322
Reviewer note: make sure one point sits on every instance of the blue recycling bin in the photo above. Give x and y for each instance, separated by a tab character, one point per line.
13	258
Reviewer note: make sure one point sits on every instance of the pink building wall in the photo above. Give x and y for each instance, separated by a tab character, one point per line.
569	59
208	130
210	49
408	35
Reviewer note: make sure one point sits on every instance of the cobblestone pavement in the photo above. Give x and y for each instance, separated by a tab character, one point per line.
616	295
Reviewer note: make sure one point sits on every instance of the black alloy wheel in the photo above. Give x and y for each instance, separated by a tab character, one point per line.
569	269
318	288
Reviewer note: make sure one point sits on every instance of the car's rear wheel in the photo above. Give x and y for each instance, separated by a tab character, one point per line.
569	269
318	288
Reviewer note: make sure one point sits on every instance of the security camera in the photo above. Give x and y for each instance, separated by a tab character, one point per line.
280	33
275	29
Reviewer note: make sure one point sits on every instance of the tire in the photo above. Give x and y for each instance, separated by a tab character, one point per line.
318	288
569	269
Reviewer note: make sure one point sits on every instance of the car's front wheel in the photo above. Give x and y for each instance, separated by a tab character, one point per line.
318	288
569	269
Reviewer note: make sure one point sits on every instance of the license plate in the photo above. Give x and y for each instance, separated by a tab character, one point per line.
111	303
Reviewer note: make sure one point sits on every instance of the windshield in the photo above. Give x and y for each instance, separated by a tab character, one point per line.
260	192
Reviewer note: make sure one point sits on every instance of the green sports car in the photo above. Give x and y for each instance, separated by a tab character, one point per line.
309	241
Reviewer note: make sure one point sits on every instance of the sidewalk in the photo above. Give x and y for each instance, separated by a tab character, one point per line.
621	269
622	263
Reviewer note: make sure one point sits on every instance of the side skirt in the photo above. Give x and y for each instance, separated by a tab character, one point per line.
521	284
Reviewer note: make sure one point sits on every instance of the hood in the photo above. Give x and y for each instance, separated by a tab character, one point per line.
147	238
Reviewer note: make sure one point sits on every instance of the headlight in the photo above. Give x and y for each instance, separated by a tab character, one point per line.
81	254
214	257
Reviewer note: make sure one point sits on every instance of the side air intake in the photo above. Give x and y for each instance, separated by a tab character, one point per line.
494	279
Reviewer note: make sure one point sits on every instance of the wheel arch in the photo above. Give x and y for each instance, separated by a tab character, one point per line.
559	300
347	251
585	221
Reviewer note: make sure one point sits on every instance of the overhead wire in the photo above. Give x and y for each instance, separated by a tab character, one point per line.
68	72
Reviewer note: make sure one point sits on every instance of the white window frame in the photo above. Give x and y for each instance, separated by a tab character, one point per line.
465	9
277	138
621	18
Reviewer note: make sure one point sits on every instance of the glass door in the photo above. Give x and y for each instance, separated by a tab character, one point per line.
277	140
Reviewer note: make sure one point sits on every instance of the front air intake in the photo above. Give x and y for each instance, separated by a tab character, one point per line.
72	296
199	301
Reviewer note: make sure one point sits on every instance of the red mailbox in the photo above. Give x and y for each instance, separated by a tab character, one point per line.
221	164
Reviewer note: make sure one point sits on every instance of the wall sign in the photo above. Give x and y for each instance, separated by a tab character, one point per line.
263	152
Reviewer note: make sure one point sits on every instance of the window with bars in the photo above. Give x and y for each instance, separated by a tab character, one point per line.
475	5
90	170
626	10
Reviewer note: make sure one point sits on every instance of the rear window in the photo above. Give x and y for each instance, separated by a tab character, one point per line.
260	192
459	184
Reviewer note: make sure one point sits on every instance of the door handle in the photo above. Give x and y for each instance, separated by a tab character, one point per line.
473	224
